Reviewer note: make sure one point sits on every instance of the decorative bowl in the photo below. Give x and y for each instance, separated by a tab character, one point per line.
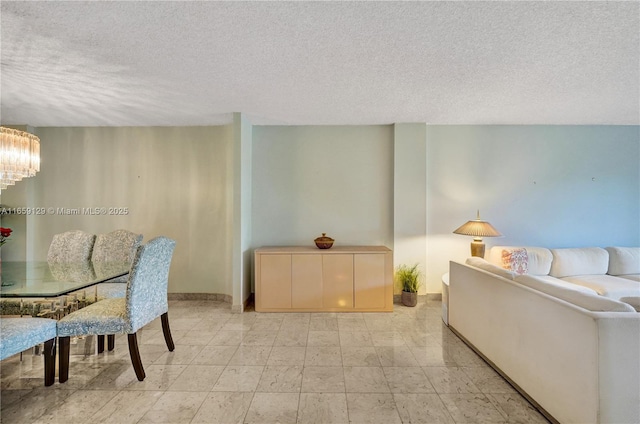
324	242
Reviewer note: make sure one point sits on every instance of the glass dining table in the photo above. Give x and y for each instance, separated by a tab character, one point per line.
41	279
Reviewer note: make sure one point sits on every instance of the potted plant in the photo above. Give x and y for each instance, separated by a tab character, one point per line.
409	278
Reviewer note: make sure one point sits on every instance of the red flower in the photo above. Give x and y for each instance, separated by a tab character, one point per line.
4	235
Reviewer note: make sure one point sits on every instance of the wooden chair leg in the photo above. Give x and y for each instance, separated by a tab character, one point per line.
65	346
100	343
111	342
167	331
135	356
50	362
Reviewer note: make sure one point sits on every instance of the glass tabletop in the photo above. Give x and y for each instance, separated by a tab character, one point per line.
40	279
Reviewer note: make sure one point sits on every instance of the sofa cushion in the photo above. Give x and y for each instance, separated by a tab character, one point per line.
561	283
634	277
486	266
588	301
538	258
607	285
624	260
579	261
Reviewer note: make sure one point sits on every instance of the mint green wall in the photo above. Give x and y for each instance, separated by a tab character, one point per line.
553	186
314	179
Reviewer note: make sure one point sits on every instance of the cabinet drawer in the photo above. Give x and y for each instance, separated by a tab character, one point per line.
337	276
275	282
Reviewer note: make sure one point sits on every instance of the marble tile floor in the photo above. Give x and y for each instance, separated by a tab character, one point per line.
400	367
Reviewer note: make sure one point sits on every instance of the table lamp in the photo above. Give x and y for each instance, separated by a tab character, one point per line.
477	229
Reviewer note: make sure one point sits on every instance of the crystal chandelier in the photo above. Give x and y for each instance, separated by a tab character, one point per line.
19	156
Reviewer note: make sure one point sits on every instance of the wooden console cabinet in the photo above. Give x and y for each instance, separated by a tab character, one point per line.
308	279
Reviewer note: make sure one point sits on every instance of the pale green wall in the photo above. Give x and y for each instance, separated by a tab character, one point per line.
552	186
174	182
314	179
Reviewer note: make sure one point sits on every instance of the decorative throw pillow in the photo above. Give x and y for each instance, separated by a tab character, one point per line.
516	260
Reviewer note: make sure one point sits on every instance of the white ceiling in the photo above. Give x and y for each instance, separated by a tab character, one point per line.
194	63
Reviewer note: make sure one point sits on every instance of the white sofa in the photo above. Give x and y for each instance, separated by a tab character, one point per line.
558	324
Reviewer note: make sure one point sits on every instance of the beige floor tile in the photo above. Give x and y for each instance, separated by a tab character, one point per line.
387	338
273	408
158	377
355	338
488	380
125	407
175	408
365	380
431	356
227	338
224	408
323	324
281	379
259	338
250	355
33	403
372	408
422	408
215	355
76	408
323	408
352	324
472	408
238	378
396	356
323	379
197	378
516	409
329	356
450	380
287	355
182	355
407	380
323	338
360	356
296	336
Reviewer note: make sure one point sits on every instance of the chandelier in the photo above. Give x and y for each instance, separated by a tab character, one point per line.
19	156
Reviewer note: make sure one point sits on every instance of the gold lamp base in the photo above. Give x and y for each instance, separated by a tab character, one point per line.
477	248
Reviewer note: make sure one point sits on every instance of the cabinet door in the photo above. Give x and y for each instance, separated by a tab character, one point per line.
369	281
306	281
275	282
337	272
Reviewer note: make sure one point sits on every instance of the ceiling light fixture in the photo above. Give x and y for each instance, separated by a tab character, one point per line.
19	156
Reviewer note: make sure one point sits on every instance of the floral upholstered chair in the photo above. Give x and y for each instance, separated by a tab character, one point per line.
116	246
146	299
71	246
19	334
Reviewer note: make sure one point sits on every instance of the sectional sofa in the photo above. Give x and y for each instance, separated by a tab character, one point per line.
562	325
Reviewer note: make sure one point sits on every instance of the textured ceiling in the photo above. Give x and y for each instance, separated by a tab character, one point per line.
194	63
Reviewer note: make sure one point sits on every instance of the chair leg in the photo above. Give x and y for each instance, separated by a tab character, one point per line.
111	342
167	331
65	346
135	356
49	362
100	343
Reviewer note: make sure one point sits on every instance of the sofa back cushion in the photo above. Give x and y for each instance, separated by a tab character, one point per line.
579	261
588	301
538	259
486	266
624	260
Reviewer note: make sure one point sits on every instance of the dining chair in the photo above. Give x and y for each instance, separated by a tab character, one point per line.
71	246
19	334
145	300
115	246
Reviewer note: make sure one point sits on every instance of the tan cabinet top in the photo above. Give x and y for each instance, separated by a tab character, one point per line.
315	250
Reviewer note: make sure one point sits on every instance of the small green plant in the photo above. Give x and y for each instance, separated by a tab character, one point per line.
408	277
